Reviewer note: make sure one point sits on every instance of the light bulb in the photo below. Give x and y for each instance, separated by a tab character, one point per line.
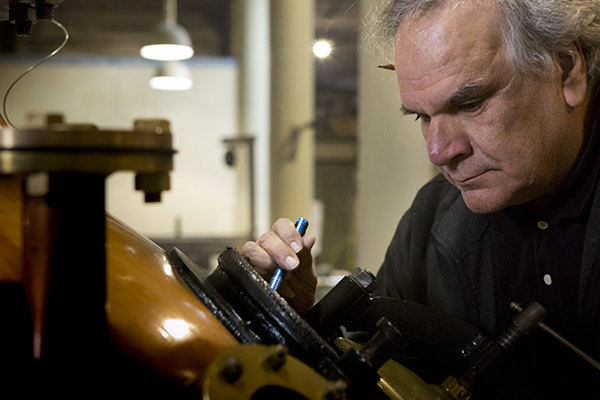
170	83
322	48
165	52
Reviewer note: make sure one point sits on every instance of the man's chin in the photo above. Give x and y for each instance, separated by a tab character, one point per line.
483	201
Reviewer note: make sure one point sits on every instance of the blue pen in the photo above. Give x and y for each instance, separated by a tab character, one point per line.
277	279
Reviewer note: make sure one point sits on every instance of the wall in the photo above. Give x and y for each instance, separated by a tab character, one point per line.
112	93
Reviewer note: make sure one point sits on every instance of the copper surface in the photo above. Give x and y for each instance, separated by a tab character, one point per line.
11	229
152	315
37	254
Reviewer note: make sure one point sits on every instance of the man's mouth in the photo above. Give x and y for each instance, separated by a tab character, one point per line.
469	179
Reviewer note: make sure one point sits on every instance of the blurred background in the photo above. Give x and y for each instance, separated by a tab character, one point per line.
267	129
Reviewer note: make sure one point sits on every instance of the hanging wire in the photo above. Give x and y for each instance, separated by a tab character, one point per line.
4	121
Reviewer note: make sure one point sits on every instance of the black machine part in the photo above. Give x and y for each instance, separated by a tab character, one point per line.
434	338
488	359
255	314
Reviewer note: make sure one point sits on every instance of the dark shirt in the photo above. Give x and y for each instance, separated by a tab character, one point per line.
538	253
474	265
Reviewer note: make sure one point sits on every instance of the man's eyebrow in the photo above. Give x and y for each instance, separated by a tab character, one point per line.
467	90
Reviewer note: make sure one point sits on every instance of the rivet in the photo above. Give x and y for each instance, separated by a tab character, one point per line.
232	370
337	390
275	356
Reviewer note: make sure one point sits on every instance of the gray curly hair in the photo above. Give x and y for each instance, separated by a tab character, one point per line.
534	30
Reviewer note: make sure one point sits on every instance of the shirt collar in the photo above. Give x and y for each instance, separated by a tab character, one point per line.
571	201
575	195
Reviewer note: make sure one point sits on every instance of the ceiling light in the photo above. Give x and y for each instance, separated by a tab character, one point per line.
172	75
169	41
322	48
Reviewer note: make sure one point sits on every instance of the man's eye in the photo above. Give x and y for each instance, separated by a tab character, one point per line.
472	106
423	117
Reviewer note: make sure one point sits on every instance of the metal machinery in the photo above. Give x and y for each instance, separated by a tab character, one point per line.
54	235
90	307
253	313
164	324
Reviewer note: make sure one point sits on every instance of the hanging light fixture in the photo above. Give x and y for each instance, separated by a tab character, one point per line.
169	41
172	75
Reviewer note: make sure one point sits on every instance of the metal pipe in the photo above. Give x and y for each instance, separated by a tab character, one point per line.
517	307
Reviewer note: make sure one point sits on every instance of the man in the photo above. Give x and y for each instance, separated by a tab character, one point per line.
506	92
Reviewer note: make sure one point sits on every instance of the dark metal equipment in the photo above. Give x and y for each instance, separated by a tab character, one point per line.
256	314
239	338
90	308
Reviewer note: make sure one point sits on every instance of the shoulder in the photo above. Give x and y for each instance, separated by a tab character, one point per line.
431	205
435	198
437	207
413	242
440	217
436	231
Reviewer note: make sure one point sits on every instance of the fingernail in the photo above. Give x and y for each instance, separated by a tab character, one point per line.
296	246
291	262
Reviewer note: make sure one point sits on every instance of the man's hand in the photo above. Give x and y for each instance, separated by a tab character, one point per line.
284	247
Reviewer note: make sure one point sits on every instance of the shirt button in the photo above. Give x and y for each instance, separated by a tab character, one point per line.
548	279
543	225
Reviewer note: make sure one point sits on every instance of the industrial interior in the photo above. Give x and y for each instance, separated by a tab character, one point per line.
125	201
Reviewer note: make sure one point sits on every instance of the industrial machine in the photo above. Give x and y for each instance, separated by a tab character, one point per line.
85	299
90	307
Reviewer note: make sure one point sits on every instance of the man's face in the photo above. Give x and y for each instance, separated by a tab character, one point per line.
501	138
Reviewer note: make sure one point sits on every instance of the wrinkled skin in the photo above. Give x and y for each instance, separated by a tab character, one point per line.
501	138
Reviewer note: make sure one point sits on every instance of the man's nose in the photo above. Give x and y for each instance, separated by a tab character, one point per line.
446	141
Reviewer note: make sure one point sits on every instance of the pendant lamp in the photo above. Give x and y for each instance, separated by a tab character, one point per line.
169	40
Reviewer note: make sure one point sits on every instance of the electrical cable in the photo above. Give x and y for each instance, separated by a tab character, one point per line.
5	122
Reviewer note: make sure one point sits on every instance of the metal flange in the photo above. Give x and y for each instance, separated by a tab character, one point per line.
146	150
85	148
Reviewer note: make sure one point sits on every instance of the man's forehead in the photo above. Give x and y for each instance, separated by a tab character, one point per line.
442	31
446	42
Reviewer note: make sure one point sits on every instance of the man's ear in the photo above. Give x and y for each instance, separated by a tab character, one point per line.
574	78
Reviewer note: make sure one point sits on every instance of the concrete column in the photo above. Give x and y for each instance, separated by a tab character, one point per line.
252	46
392	157
292	108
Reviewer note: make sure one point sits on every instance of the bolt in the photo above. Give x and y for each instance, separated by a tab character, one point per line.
365	278
44	11
37	184
275	356
19	15
157	126
337	390
380	347
152	184
232	370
